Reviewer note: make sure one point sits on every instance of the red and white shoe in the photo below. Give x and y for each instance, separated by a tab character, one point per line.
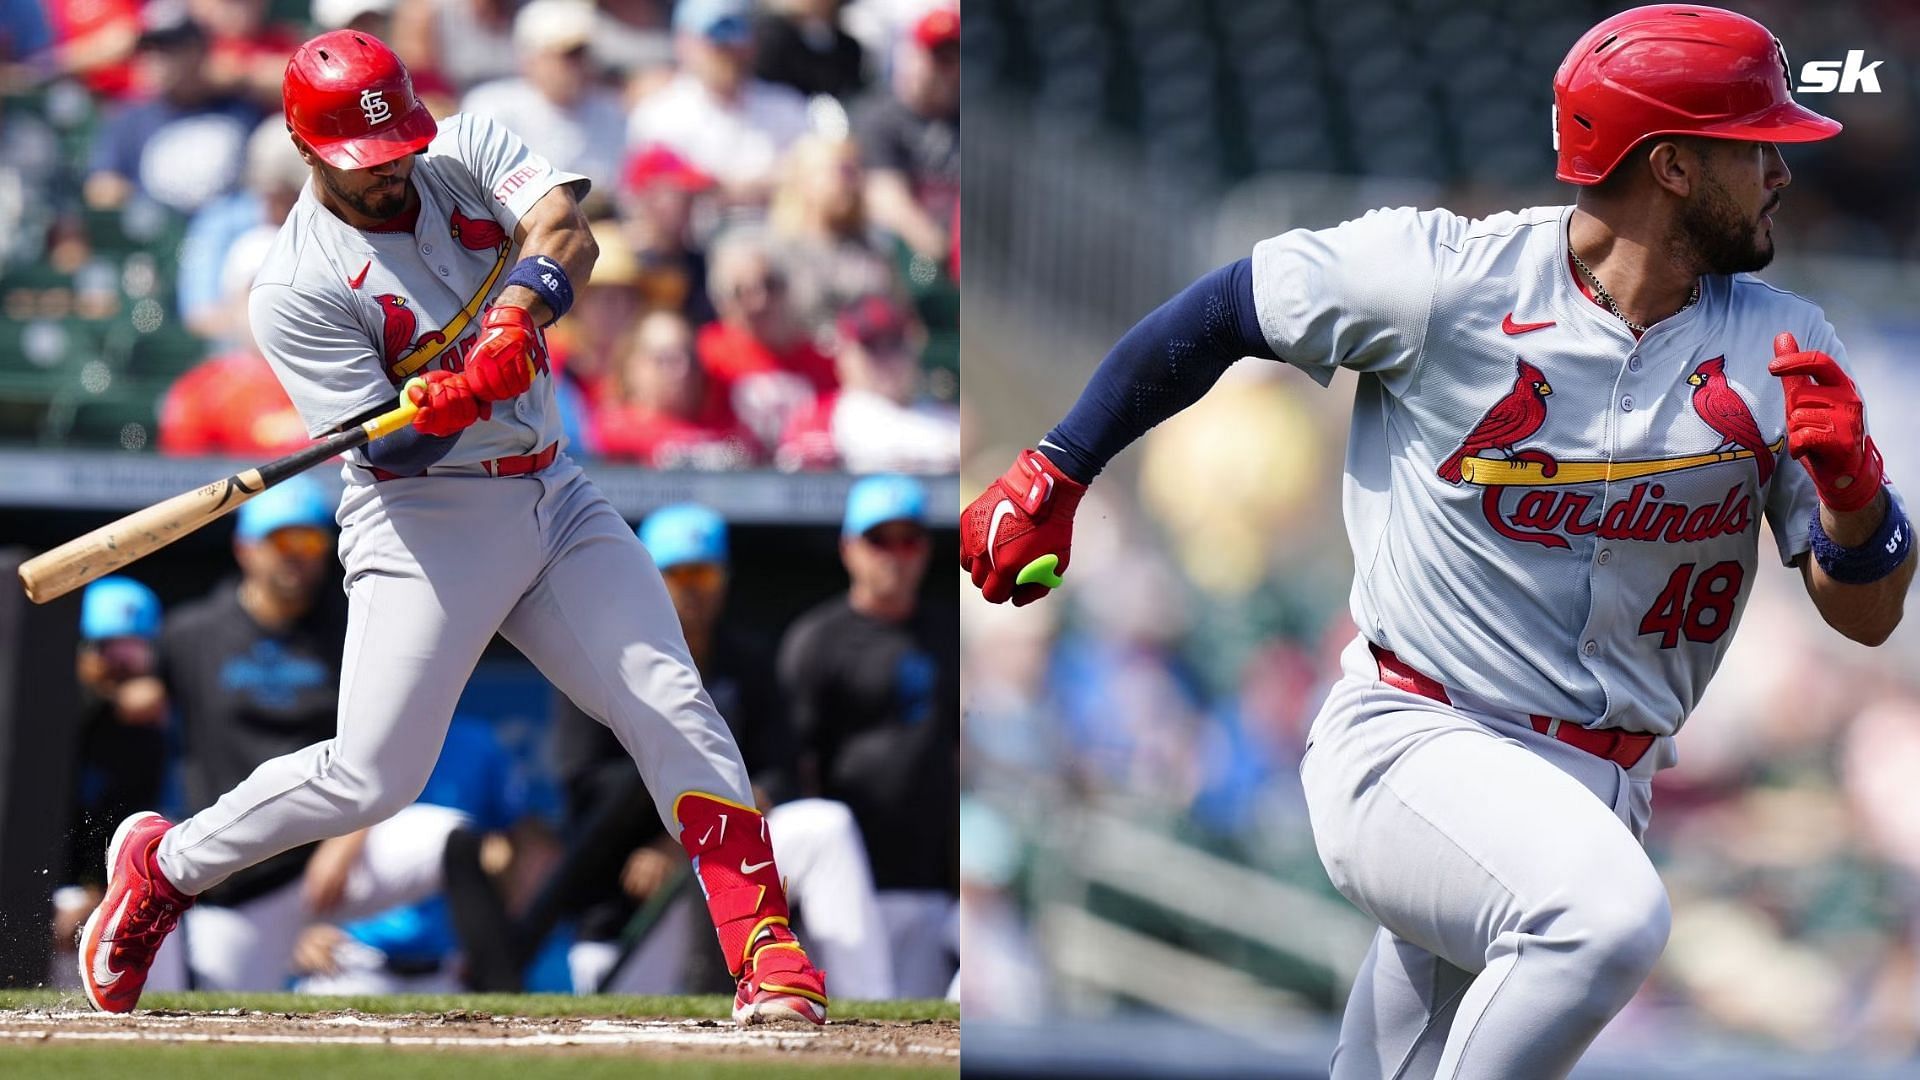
780	985
137	913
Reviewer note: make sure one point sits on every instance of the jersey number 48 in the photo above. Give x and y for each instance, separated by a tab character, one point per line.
1699	607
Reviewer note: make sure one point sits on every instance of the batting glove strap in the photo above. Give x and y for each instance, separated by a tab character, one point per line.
1879	556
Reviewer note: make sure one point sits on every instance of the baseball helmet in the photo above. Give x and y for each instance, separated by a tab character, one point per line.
1672	69
350	98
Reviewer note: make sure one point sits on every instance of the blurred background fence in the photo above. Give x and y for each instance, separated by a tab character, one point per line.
1136	862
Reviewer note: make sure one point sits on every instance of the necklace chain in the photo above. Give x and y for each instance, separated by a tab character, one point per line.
1613	306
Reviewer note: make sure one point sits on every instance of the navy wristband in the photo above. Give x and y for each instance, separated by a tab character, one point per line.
1881	555
548	280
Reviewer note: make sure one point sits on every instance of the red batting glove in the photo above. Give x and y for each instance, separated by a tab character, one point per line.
447	404
500	364
1017	536
1827	426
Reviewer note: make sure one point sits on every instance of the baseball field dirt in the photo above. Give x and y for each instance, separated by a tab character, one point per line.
472	1037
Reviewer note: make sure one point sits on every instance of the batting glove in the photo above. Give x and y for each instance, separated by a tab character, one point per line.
500	364
1017	536
1827	426
447	404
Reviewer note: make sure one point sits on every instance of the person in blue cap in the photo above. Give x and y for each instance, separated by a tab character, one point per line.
253	672
122	725
871	682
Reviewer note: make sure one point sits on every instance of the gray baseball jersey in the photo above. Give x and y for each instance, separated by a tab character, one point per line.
1543	512
346	316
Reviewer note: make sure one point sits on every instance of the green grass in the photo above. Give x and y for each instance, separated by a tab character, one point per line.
575	1005
168	1062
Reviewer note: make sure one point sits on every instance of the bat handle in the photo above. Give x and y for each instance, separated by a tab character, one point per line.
397	417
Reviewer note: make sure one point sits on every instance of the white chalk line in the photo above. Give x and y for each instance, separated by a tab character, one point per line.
597	1032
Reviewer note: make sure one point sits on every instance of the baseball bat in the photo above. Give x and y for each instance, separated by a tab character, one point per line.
114	545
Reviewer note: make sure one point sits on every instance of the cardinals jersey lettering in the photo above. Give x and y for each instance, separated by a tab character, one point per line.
1544	512
346	317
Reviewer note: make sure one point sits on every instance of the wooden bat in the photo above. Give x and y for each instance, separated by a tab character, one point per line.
114	545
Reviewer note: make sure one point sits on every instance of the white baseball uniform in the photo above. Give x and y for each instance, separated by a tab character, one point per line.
504	534
1549	533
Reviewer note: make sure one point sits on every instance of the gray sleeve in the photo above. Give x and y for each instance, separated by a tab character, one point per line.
1357	295
320	353
512	175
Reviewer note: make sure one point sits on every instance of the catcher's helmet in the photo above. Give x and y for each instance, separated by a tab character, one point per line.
350	98
1672	69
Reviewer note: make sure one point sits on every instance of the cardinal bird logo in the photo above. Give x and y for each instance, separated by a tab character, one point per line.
1513	418
477	234
396	335
1726	412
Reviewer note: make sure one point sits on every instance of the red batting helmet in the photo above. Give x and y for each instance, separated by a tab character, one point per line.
1672	69
350	98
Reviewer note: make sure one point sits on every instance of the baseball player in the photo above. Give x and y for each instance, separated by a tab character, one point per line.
1568	425
430	256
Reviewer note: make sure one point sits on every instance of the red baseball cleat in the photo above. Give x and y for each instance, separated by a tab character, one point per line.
780	984
137	913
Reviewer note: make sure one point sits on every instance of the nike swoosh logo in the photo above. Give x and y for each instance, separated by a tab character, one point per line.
748	868
1508	326
704	835
1000	514
354	281
103	975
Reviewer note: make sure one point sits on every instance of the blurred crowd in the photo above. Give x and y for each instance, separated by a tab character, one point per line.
848	725
775	198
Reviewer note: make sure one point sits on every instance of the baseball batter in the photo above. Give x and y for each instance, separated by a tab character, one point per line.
429	256
1568	425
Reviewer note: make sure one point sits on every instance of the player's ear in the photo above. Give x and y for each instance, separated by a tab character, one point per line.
306	152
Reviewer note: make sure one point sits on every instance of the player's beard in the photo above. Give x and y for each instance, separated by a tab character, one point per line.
1717	236
377	207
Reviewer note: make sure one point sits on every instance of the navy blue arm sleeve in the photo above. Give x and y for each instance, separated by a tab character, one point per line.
1168	361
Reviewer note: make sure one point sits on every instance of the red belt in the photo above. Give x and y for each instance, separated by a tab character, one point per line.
513	465
1624	748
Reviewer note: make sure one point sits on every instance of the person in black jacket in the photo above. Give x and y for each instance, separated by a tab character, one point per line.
871	679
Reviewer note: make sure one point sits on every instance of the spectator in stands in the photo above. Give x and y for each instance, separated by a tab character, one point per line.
659	193
367	16
569	118
819	215
668	414
182	145
877	420
911	138
621	857
871	681
246	54
800	43
759	352
455	44
253	672
94	40
632	36
714	113
271	184
122	722
233	403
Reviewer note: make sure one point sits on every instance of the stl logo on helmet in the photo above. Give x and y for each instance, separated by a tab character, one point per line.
374	104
